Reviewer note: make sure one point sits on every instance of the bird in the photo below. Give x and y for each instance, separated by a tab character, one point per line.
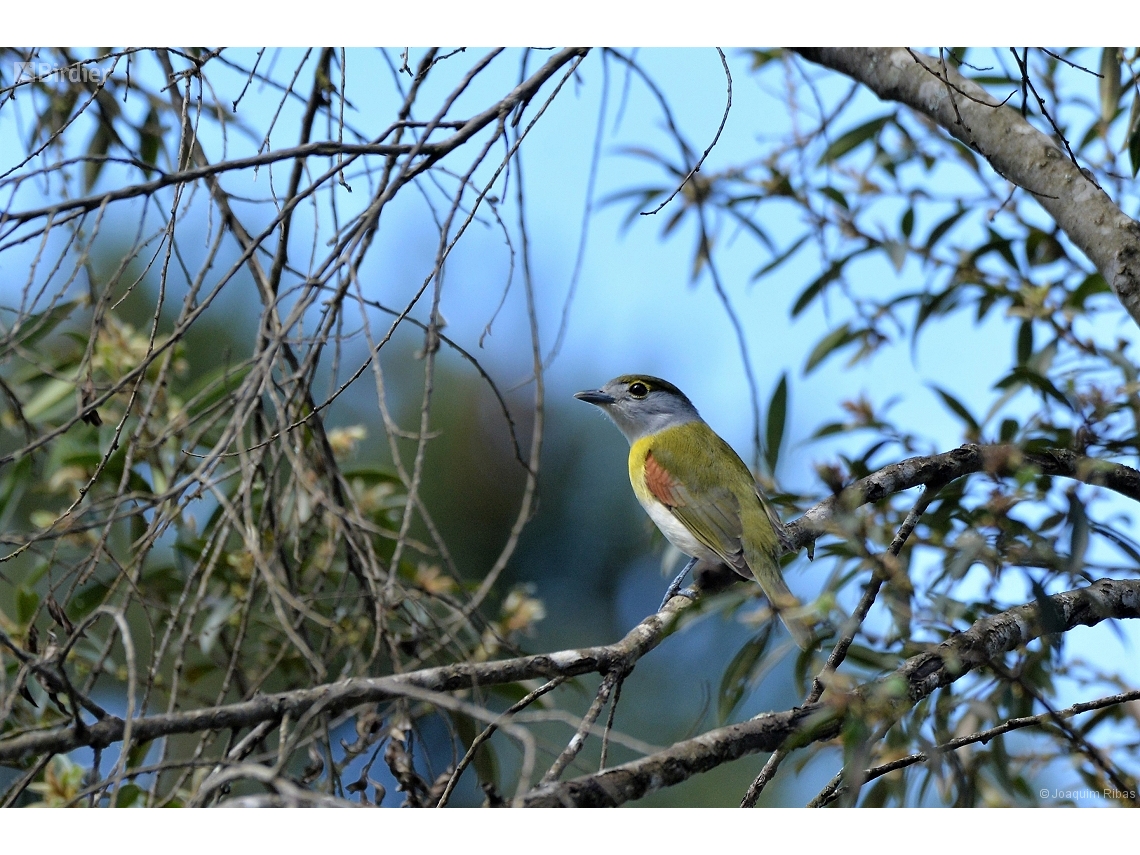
697	490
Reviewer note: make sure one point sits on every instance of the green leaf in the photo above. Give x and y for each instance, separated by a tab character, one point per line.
747	223
16	480
834	340
370	477
1134	147
1093	284
907	222
1132	134
87	599
1042	248
777	420
1052	620
150	138
130	795
1024	342
53	393
27	601
780	259
96	149
996	80
744	671
854	138
1125	545
998	244
836	197
485	762
1079	538
934	304
1109	83
877	659
812	290
959	409
833	272
760	58
1023	375
35	327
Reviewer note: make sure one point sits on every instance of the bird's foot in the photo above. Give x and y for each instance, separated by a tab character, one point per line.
674	589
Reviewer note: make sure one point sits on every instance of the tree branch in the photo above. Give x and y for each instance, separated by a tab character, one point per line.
813	722
884	699
949	466
835	788
1014	148
337	697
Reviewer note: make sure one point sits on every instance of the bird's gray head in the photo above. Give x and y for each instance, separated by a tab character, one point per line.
641	405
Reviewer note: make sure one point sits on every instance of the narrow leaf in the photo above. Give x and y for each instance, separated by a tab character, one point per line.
1134	147
1024	342
1079	538
780	259
777	421
1109	83
854	138
1093	284
832	273
742	671
959	409
150	137
96	149
836	197
26	603
834	340
907	222
1023	375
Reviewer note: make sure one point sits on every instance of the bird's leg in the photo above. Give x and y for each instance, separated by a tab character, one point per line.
675	586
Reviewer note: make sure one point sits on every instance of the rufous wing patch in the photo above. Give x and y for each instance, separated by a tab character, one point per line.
661	483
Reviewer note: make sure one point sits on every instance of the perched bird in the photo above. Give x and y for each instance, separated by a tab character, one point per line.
696	489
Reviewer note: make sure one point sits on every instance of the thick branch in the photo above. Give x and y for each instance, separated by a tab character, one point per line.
951	465
1014	148
337	697
883	699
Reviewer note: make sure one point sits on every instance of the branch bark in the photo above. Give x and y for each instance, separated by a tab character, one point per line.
997	460
1014	148
884	699
345	694
921	675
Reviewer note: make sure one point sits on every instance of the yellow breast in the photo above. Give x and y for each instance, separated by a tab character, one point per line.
673	529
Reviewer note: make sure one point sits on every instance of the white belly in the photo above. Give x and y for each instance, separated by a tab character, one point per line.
676	532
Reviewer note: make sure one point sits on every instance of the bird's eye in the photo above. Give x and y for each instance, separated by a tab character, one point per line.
638	390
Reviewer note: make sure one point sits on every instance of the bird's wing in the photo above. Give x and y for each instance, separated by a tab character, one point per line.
714	516
710	511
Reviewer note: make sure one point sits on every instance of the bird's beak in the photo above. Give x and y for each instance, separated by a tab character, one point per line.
595	396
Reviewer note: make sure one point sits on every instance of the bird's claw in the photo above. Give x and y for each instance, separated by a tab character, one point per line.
687	593
674	589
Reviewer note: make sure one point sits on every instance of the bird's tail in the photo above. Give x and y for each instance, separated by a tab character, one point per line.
784	602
